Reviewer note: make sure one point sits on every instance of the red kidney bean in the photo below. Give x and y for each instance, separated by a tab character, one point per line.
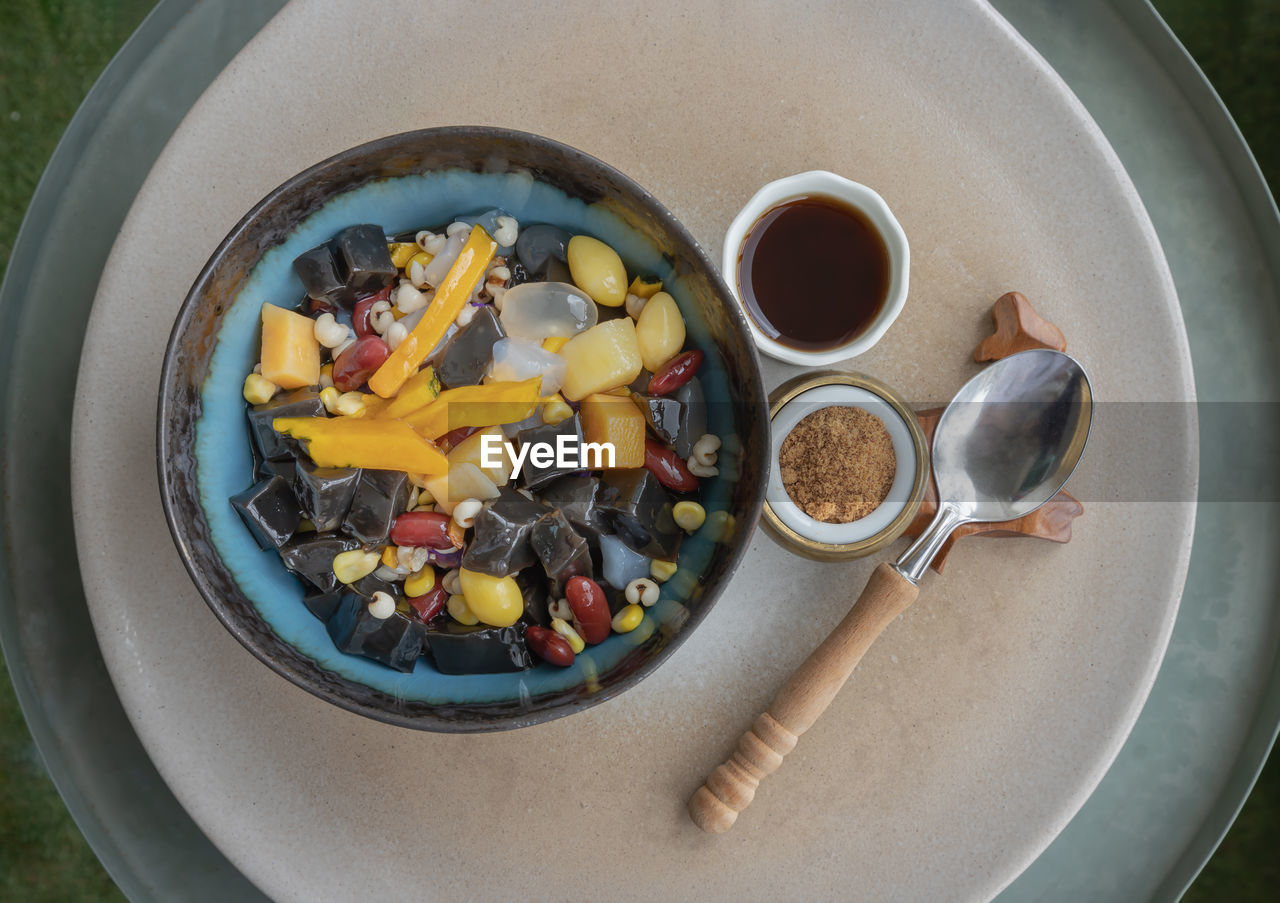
360	318
453	438
590	608
428	529
675	372
360	315
321	306
666	465
430	603
549	646
354	366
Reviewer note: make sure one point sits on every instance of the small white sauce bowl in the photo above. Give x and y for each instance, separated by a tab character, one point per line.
820	183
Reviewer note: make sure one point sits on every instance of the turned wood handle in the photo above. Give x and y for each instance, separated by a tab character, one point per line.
731	787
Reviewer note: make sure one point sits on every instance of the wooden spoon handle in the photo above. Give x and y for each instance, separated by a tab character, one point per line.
731	787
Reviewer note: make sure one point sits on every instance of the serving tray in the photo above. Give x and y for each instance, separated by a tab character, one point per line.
132	870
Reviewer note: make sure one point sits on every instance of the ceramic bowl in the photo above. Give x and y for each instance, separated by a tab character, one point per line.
405	182
820	183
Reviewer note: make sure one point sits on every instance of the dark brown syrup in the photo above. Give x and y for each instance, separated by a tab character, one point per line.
813	273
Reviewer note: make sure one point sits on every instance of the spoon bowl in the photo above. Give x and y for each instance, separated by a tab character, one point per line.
1012	435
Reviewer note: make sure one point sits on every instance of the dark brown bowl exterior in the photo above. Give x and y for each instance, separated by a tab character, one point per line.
195	334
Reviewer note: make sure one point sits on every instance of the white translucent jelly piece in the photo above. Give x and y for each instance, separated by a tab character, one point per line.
538	310
515	360
438	268
619	564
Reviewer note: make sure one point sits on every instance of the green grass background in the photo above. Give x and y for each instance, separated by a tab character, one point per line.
50	53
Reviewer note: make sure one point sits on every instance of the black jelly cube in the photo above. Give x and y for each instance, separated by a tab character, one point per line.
466	357
322	276
663	416
563	552
538	245
285	468
533	587
271	445
499	545
364	258
640	511
458	649
380	496
533	476
395	641
322	605
269	510
577	496
310	556
368	585
693	419
324	493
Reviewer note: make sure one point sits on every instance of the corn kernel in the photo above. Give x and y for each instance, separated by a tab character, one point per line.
565	629
662	571
554	343
689	516
401	252
349	403
259	390
389	556
556	410
421	583
722	525
628	619
329	398
461	612
351	565
645	286
422	258
326	376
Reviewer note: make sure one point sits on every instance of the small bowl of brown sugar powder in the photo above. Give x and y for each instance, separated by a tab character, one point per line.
850	465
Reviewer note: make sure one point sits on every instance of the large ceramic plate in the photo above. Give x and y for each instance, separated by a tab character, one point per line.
979	723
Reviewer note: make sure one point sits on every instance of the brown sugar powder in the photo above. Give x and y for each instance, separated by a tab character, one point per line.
838	463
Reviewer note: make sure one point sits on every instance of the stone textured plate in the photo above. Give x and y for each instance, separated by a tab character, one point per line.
976	726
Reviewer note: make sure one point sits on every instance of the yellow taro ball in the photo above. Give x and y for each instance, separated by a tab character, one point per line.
597	269
497	601
604	357
659	331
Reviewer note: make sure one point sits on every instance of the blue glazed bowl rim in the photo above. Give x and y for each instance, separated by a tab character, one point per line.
178	409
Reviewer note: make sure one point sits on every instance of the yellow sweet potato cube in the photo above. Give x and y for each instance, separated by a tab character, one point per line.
290	352
604	357
616	420
471	451
466	481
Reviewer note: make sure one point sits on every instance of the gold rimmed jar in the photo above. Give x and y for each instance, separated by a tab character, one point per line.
783	518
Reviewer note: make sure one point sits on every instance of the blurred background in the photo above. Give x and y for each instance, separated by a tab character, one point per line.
50	53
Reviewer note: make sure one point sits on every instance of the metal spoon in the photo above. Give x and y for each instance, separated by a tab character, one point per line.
1003	447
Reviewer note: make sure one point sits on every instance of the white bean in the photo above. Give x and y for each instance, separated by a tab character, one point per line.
506	230
382	606
643	591
396	333
408	298
329	332
464	513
